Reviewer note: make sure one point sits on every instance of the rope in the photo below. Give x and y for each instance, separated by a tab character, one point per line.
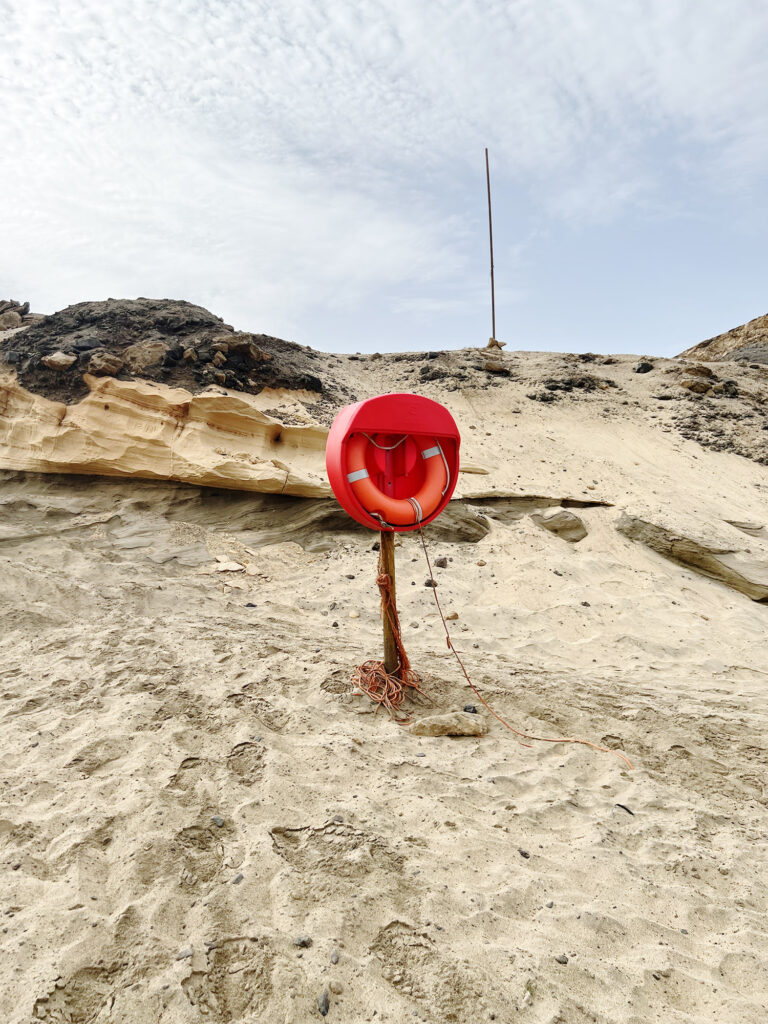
524	735
389	689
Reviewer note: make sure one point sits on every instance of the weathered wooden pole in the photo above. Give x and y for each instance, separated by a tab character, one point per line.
387	567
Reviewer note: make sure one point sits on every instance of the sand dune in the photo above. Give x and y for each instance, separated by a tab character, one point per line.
201	822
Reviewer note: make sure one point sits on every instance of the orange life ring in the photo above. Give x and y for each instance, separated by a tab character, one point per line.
398	511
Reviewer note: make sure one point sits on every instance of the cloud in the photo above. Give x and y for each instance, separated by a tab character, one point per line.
273	157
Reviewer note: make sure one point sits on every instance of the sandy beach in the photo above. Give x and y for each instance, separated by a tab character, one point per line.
202	822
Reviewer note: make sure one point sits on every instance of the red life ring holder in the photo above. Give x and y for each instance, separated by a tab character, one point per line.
393	460
398	511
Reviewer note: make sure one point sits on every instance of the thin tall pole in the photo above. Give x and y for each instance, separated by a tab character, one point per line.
490	235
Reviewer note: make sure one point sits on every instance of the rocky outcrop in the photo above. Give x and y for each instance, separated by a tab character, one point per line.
139	429
164	340
748	343
562	523
743	568
15	314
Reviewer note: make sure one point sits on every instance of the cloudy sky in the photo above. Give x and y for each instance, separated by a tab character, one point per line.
314	169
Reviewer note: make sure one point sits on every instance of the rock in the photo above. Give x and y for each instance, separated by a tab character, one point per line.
561	522
323	1003
643	366
481	562
219	359
10	320
59	360
454	723
710	553
336	987
549	904
451	617
562	959
354	614
217	821
226	566
495	366
523	853
430	583
699	370
184	954
105	364
470	709
144	354
190	356
335	956
237	879
495	343
697	385
302	941
442	562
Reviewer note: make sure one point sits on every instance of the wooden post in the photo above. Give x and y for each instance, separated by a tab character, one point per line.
387	565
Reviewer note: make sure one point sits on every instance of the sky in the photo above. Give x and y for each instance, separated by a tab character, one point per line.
314	169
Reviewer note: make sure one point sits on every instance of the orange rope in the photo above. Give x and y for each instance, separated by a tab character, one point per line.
388	689
524	735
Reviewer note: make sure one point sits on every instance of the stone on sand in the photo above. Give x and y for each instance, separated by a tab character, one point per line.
454	723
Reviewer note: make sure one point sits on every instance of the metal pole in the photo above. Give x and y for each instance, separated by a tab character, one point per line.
490	234
387	566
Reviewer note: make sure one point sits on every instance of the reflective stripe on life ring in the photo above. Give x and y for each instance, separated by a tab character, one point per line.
398	511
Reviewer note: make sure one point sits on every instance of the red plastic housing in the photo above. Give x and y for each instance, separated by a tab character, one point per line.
398	473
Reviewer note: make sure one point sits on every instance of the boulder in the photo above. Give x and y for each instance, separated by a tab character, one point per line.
562	523
59	360
105	364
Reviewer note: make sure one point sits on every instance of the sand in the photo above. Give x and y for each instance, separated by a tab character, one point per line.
190	786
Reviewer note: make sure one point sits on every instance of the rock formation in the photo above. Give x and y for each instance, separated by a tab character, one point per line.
140	429
745	344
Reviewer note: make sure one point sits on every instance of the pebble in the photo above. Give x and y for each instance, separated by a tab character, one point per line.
441	563
430	583
250	604
562	959
336	987
452	617
237	879
217	821
338	818
683	931
470	709
523	853
324	1003
549	905
335	956
354	614
335	625
184	954
350	576
303	941
481	562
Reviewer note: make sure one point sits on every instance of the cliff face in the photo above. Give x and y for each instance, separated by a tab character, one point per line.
140	429
747	344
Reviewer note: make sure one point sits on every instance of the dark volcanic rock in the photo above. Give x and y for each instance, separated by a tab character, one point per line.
174	342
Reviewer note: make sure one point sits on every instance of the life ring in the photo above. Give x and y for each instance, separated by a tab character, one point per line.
398	511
